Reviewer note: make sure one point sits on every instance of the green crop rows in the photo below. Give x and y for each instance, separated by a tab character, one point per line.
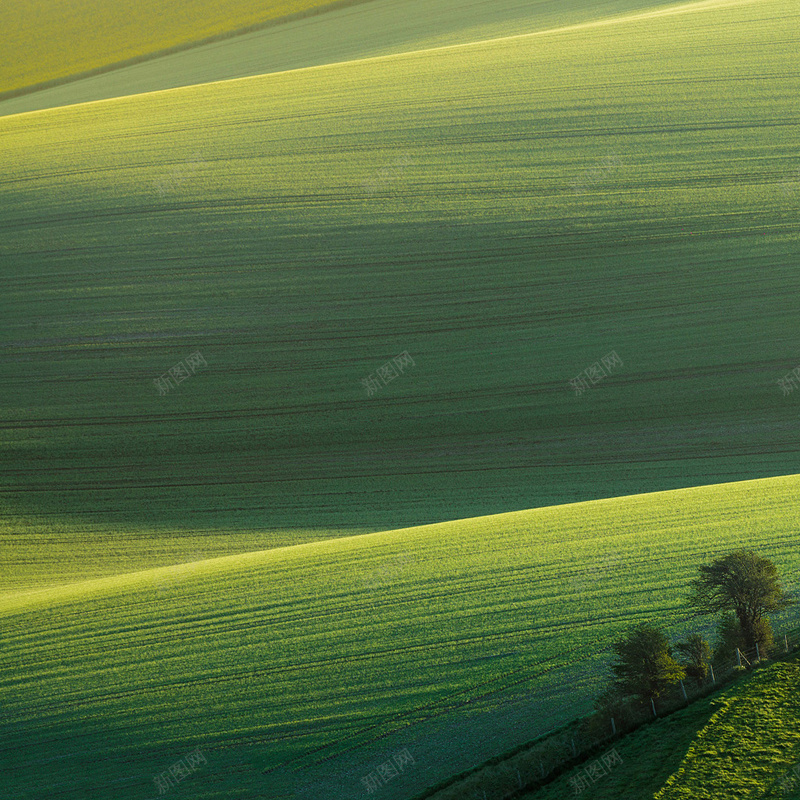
274	259
367	29
181	570
322	656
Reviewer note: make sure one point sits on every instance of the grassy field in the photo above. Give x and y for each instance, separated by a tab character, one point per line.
740	743
317	662
464	206
48	39
750	743
368	29
179	567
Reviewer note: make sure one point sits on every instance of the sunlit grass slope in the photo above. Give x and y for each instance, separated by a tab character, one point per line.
344	33
319	661
740	743
37	554
465	206
749	745
48	39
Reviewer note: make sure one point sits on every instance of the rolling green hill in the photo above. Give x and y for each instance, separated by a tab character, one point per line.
749	745
200	288
743	742
508	214
307	666
44	40
343	33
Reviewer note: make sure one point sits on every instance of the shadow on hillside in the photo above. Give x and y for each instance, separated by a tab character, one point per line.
649	756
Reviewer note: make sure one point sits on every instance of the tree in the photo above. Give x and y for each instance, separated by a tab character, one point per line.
696	654
645	666
762	635
608	699
748	585
729	637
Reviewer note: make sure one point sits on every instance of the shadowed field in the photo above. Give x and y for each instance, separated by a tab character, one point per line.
243	321
507	214
741	742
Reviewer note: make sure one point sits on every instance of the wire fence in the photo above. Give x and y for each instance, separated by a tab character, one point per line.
536	763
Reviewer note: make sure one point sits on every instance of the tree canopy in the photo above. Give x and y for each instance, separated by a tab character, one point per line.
645	666
696	654
742	582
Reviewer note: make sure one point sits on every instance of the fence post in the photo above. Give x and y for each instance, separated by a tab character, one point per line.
652	703
758	653
713	679
613	727
683	689
739	656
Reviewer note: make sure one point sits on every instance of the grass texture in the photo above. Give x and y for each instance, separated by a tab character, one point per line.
44	40
507	213
308	665
342	33
742	742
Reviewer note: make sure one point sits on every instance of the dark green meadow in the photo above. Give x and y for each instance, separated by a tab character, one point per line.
181	567
300	230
